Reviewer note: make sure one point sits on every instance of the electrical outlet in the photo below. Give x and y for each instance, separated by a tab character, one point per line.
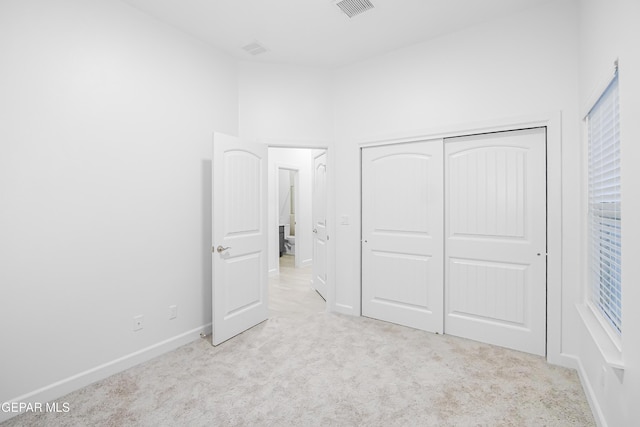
173	311
138	322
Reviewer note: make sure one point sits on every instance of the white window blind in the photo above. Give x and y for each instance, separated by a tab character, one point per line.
604	206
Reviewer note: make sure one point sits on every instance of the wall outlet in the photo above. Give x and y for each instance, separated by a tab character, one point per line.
138	322
173	311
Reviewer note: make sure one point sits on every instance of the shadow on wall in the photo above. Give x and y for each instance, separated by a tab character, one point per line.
206	240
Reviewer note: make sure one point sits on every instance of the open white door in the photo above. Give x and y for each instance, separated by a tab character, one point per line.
239	236
495	264
319	217
402	234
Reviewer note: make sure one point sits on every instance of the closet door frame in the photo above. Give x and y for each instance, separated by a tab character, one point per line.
553	124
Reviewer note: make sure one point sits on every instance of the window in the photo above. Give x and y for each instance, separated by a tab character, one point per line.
604	207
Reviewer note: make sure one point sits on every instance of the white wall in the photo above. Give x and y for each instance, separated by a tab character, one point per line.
286	106
300	159
285	103
106	122
524	64
609	30
106	126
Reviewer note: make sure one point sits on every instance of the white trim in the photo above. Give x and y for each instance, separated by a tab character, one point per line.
346	309
290	143
331	228
614	339
100	372
461	129
596	410
553	122
554	239
609	349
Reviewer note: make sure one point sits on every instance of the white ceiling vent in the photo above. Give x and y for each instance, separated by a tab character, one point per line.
254	48
352	8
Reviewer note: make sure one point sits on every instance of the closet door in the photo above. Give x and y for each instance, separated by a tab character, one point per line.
495	239
402	234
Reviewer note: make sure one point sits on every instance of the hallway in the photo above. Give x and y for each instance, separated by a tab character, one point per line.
290	293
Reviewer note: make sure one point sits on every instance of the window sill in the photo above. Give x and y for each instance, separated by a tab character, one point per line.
610	352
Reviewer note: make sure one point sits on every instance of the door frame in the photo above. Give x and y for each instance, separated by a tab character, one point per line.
331	226
553	124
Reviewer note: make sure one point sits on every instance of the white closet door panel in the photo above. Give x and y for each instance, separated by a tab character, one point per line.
495	241
402	234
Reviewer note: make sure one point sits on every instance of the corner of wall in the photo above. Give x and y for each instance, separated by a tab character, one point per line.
90	376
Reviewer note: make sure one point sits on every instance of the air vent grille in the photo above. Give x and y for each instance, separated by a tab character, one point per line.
254	48
352	8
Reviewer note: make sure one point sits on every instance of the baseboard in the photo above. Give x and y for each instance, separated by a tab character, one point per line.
591	397
307	263
565	360
573	362
83	379
345	309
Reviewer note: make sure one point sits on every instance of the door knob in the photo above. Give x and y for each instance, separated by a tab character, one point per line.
220	249
315	230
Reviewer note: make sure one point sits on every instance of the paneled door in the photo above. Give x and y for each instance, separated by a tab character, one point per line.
319	221
239	236
402	234
495	239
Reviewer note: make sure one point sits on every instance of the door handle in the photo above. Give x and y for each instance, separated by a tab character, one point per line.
220	249
315	230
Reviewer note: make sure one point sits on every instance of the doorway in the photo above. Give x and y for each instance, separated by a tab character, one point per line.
454	236
294	259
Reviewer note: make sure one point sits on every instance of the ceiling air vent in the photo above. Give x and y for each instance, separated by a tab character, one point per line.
254	48
352	8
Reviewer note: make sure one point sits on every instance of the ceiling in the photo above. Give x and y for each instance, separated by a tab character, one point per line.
316	32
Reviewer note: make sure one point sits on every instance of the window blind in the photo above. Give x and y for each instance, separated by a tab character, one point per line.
604	206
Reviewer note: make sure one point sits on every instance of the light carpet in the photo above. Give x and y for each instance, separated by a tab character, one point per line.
304	367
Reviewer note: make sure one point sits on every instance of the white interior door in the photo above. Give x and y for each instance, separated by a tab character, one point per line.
319	217
239	236
495	215
402	234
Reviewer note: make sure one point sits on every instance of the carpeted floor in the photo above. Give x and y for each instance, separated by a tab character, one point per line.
304	367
